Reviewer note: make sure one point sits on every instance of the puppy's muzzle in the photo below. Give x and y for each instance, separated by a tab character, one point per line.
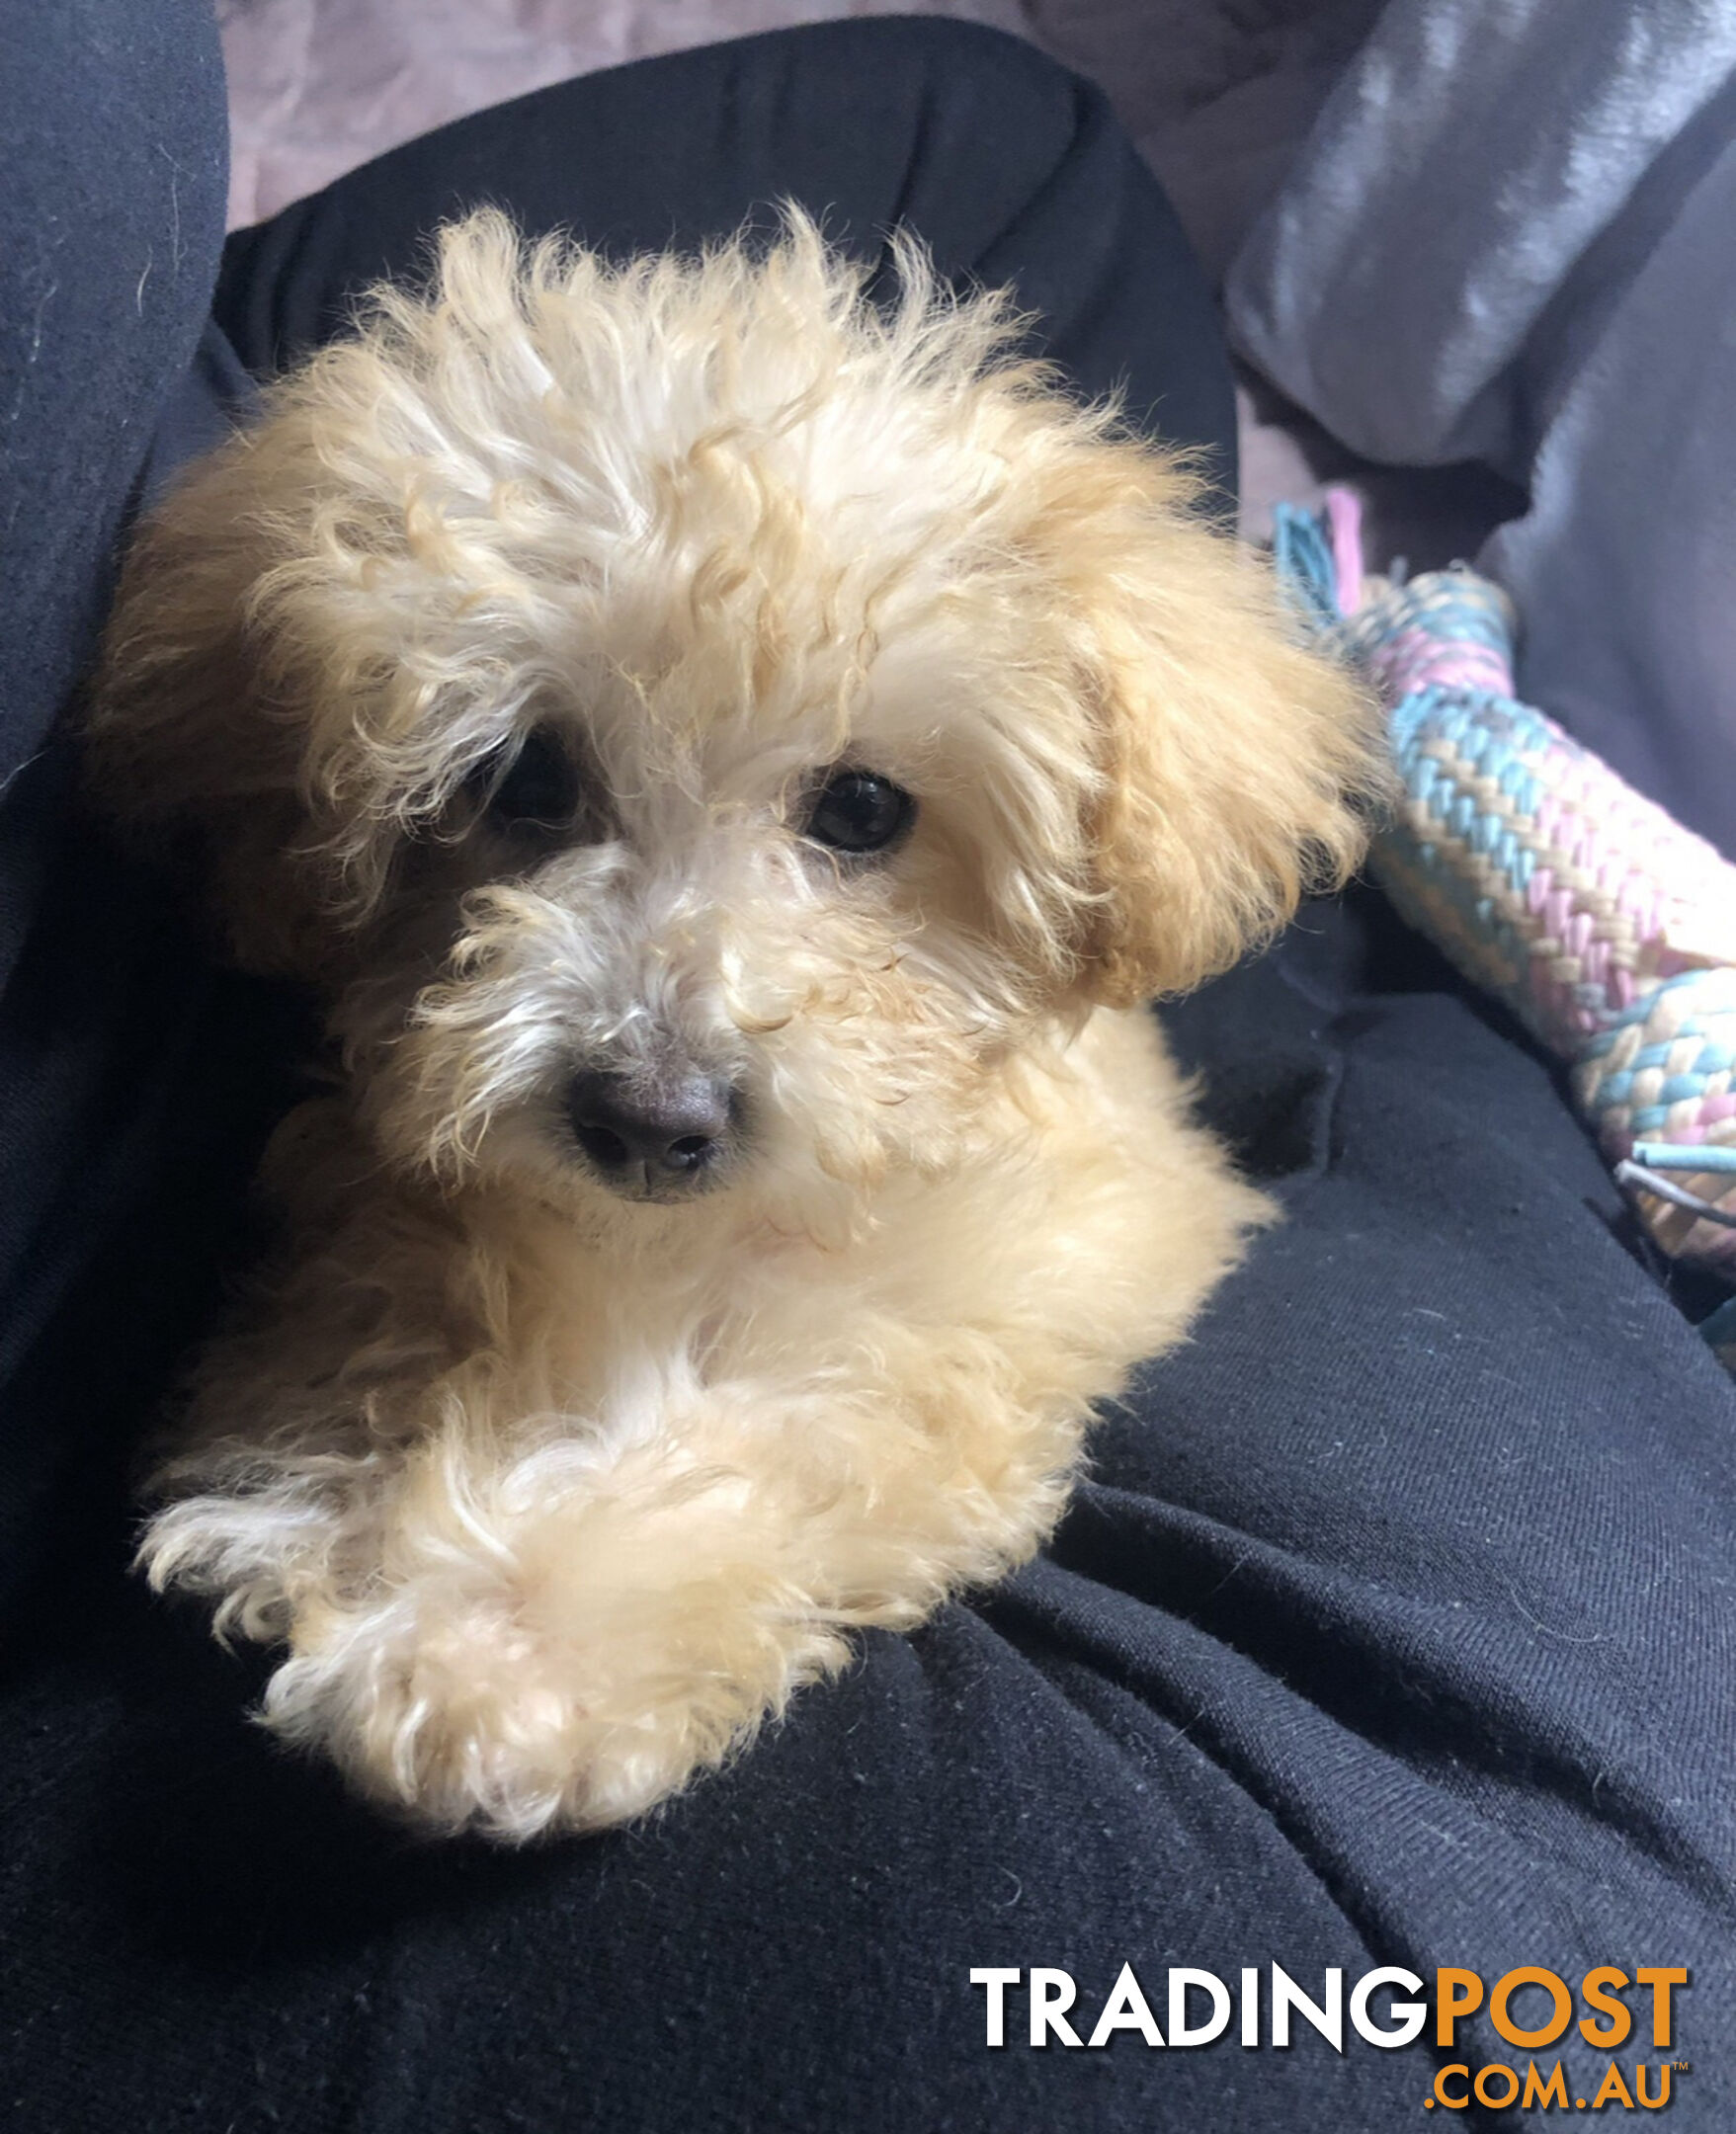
654	1136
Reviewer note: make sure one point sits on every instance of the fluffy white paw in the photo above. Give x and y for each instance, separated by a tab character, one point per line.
473	1716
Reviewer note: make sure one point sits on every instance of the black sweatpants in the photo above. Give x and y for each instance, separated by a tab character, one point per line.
1395	1624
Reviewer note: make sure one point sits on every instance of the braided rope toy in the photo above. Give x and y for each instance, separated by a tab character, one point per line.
1606	927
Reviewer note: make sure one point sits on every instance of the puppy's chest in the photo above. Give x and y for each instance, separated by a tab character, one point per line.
776	1326
611	1346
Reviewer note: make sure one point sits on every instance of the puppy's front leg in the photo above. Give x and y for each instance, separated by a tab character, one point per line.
508	1631
554	1639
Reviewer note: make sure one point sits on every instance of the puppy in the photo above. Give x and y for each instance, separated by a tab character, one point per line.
733	761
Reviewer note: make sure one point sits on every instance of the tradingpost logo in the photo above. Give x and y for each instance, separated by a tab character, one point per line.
1627	2017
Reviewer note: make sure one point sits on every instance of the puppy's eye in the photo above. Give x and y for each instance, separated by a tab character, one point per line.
538	791
858	811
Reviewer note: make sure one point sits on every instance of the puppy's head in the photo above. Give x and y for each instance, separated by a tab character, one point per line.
698	726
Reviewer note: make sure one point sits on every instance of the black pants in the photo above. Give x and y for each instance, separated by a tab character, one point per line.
1393	1626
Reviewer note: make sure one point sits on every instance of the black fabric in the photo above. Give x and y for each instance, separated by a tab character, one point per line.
1394	1624
134	1079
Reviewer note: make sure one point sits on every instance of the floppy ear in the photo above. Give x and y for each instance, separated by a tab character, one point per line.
1238	767
278	696
289	684
188	747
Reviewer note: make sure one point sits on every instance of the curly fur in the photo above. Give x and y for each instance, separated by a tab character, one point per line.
553	1495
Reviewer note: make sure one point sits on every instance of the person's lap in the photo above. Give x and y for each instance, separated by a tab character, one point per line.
1382	1631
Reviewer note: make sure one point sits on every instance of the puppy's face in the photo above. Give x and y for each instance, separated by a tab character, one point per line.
697	728
757	886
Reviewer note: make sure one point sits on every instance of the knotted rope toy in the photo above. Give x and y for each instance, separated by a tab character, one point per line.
1606	927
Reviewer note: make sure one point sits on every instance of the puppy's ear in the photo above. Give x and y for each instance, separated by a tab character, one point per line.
282	691
184	748
1237	767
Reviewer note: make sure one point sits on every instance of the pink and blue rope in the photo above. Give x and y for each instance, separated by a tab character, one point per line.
1608	927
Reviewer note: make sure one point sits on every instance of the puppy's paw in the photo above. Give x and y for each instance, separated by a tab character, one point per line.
562	1639
456	1722
586	1681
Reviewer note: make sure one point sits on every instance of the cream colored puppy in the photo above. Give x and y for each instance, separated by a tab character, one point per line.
734	761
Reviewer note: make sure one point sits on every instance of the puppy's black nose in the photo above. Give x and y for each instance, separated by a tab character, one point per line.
662	1130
